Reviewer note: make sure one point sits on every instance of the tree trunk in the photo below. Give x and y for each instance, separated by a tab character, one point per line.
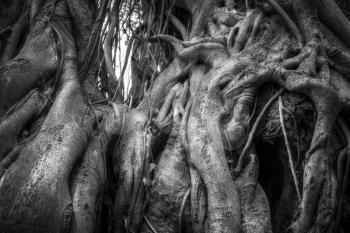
235	119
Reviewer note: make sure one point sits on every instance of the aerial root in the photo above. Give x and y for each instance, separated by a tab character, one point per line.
255	29
178	25
183	204
318	177
290	157
150	225
289	22
141	174
107	50
243	32
164	110
246	148
232	35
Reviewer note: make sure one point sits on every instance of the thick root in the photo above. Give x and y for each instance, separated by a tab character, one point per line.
40	175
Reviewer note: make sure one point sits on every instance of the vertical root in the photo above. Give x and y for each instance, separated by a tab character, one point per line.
232	35
243	32
289	22
183	204
290	157
150	225
252	132
255	27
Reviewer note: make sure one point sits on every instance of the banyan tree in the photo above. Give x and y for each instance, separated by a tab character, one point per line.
174	116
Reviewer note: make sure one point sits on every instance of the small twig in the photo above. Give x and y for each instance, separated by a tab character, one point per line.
150	225
252	132
291	163
296	133
183	204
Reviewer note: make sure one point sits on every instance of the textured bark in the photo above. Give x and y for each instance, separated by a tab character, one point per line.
236	119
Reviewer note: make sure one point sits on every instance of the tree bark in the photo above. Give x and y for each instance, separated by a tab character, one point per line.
235	120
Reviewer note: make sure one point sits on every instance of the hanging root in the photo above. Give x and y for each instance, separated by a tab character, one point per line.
294	29
180	224
87	185
232	35
166	106
107	50
171	179
149	225
318	179
178	25
207	155
40	175
290	157
197	193
140	182
255	29
245	28
252	132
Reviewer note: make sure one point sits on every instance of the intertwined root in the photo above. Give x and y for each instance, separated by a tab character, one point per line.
167	209
224	78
